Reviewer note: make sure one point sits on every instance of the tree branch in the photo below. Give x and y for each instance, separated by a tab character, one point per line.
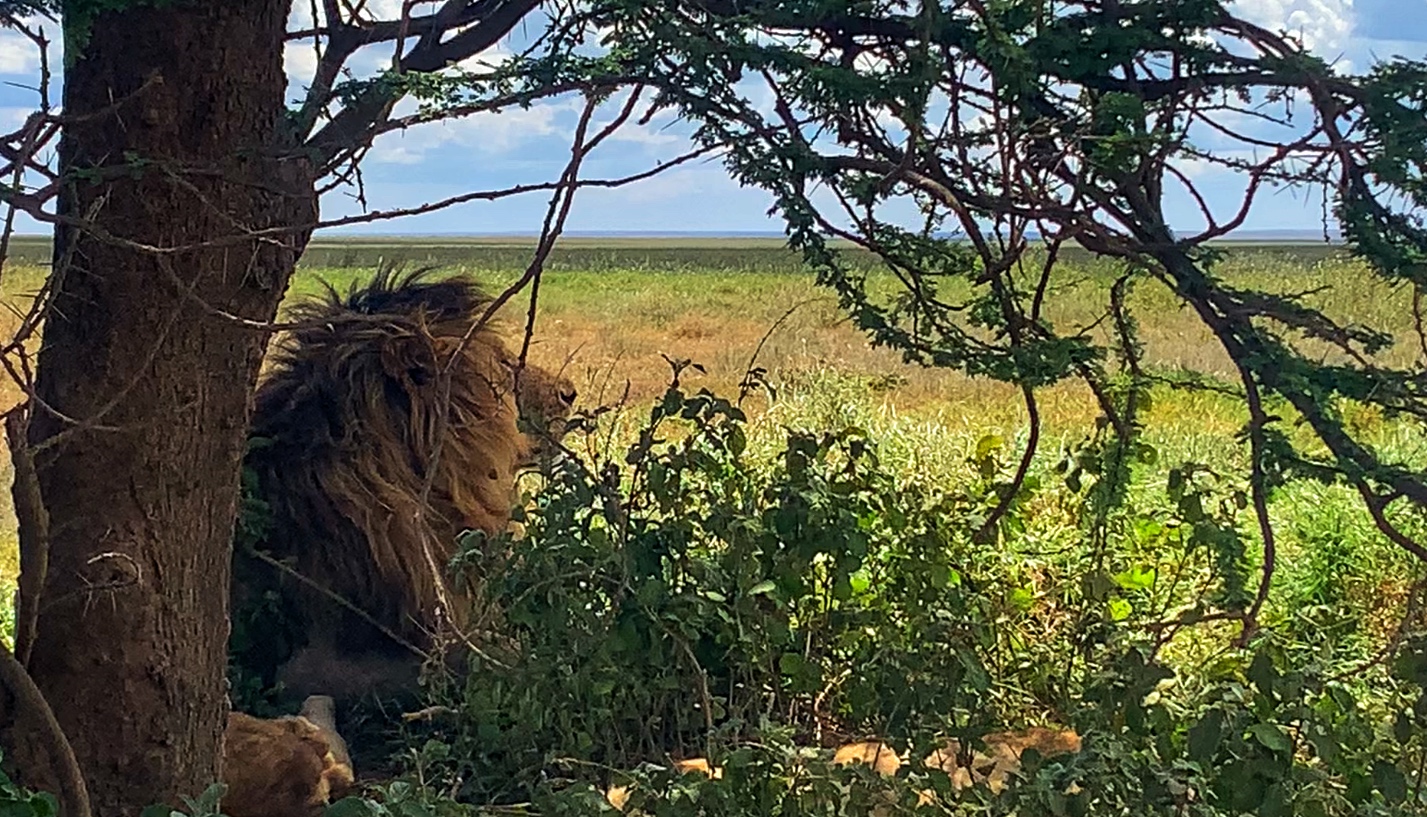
355	126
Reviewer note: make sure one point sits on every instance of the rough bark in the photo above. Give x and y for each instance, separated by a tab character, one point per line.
146	377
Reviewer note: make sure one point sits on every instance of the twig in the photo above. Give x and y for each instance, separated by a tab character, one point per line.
1258	489
1033	436
339	600
746	385
34	532
1377	508
554	225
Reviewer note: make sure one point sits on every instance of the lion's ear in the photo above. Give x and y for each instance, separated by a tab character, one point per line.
411	359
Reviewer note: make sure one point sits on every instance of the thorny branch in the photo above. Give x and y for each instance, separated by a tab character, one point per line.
558	211
19	152
1013	167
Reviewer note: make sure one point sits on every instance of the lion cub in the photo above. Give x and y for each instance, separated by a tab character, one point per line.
284	767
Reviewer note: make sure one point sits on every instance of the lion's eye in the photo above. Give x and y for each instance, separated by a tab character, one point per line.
418	375
568	397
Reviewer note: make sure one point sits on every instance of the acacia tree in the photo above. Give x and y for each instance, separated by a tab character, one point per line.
1020	127
185	192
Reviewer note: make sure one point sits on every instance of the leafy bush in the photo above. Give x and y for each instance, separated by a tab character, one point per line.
18	801
702	596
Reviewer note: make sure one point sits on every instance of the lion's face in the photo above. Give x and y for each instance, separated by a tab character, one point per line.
545	400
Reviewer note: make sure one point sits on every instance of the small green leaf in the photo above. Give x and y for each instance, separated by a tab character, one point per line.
1119	609
1136	578
1272	737
44	804
1098	585
765	586
860	582
791	664
1262	673
1390	781
1403	728
987	444
1205	735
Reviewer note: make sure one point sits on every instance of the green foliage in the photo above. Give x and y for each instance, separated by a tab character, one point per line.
1090	110
704	595
13	10
17	801
713	592
205	805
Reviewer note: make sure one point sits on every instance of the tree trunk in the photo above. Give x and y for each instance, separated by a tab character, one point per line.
146	375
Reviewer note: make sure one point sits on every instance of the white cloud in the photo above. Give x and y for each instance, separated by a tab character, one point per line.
1324	27
489	134
299	61
18	55
661	131
12	117
493	134
690	182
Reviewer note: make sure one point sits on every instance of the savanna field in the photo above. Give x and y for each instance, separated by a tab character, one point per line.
610	311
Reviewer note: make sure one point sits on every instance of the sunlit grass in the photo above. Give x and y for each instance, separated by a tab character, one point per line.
609	327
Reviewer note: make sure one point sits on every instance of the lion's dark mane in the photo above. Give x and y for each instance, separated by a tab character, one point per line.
343	451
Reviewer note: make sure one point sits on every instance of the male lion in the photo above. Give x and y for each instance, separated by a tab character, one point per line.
386	426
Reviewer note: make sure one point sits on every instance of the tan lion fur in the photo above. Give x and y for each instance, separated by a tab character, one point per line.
369	481
280	767
882	758
993	768
1002	757
545	400
618	796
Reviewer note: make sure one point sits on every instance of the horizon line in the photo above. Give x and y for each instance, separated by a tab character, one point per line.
1317	236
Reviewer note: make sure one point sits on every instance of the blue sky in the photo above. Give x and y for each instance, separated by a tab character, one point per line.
522	146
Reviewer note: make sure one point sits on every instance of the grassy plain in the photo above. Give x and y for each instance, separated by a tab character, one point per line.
609	308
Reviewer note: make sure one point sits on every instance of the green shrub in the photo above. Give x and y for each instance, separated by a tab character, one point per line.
696	597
